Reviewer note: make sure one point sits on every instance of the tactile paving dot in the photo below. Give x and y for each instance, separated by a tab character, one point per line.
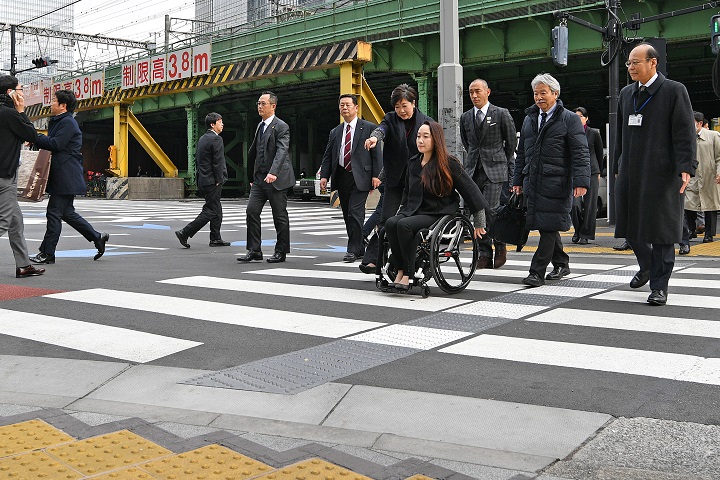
103	453
30	435
211	461
410	336
497	309
32	465
313	468
132	473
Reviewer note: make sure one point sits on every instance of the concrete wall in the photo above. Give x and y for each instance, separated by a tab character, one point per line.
145	188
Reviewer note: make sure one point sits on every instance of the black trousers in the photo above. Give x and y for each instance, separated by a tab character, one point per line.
584	211
690	221
659	259
401	233
260	193
60	208
491	191
391	203
352	203
550	249
211	212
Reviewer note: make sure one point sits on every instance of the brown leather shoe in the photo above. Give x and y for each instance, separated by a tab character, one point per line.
500	256
29	271
484	262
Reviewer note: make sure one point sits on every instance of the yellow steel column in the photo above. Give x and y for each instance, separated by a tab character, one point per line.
120	169
353	81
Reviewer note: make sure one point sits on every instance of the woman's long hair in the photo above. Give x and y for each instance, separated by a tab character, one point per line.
436	176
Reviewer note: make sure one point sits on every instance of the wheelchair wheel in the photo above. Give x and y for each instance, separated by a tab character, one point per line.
453	253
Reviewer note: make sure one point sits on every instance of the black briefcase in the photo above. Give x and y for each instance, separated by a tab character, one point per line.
508	224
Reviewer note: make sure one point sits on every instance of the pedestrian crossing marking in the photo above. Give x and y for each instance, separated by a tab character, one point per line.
498	309
676	299
91	337
410	336
254	317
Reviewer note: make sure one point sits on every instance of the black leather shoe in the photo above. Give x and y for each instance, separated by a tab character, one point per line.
557	273
219	243
29	271
576	238
350	257
582	241
640	279
707	239
684	249
276	258
368	268
622	246
401	287
533	280
100	245
250	255
657	297
183	238
42	258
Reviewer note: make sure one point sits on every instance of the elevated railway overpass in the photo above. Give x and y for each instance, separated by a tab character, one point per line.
308	57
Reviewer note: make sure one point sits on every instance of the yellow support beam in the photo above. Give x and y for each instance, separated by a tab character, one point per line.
119	167
353	81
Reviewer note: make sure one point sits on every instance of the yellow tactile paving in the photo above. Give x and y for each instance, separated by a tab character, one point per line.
104	453
419	477
313	468
132	473
28	466
30	435
209	462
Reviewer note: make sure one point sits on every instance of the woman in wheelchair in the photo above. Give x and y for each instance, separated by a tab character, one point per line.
433	181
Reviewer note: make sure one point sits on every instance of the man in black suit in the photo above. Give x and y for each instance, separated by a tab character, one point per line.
211	175
488	135
271	174
354	170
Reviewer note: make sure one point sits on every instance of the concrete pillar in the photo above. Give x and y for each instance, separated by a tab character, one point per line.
450	76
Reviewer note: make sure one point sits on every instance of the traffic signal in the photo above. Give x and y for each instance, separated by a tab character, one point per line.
559	50
715	34
41	62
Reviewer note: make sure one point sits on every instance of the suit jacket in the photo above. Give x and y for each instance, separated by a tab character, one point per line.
494	148
210	160
64	140
365	164
277	151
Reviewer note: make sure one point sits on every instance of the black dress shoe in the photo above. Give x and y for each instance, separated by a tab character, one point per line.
276	258
350	257
707	239
657	297
42	258
183	238
557	273
684	249
576	238
401	287
29	271
250	255
582	241
100	245
219	243
533	280
623	246
368	268
640	279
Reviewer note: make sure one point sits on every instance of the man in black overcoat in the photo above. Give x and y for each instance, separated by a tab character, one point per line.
654	158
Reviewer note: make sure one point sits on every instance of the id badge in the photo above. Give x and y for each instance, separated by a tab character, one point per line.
635	120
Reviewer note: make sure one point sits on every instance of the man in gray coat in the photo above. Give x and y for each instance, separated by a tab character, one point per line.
654	157
552	167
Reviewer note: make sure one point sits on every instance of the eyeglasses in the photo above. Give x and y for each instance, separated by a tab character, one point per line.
635	63
18	89
262	104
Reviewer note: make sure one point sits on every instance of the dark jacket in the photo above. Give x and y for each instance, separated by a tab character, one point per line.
277	152
398	144
15	128
418	201
365	164
649	160
210	160
64	140
595	146
493	150
549	165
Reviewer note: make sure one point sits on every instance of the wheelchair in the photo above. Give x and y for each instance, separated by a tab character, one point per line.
447	253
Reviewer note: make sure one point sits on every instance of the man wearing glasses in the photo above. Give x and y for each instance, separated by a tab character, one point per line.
654	159
270	173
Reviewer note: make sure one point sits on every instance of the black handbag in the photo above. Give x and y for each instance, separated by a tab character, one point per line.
508	223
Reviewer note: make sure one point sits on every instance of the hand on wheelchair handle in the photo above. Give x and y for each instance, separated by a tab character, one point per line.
479	232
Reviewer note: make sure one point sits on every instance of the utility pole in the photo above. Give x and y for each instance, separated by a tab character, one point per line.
450	77
13	58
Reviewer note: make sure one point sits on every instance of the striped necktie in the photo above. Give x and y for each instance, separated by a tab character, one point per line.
346	149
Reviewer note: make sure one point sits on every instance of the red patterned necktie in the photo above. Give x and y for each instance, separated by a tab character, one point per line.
346	149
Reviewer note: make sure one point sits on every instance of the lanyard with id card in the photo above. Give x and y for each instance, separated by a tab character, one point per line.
635	120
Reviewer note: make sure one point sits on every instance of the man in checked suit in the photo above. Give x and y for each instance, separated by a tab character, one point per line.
489	137
354	170
271	174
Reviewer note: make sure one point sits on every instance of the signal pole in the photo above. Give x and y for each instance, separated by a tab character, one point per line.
450	77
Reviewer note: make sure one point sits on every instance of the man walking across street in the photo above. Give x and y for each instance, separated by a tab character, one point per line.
211	175
15	128
271	174
66	178
489	137
354	170
654	155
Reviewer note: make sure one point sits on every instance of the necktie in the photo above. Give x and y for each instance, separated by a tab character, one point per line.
346	149
642	95
543	117
479	120
260	130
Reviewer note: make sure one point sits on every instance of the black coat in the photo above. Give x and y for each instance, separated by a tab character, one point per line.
15	128
595	146
398	146
64	140
418	201
210	160
549	165
649	160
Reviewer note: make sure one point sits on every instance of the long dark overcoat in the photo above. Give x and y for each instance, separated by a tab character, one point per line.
549	165
64	140
649	160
